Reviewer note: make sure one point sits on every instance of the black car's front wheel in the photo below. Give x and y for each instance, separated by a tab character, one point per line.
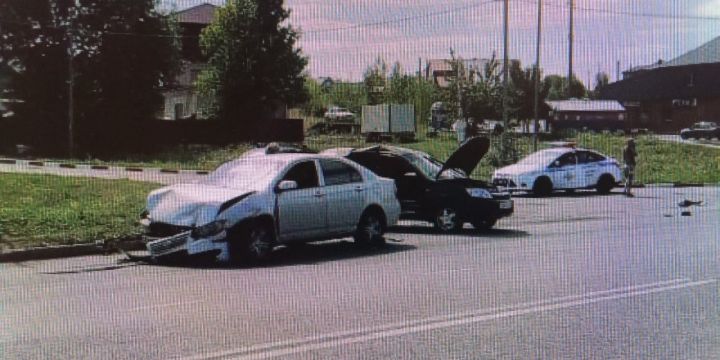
447	220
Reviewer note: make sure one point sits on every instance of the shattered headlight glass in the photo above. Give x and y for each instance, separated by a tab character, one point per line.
209	229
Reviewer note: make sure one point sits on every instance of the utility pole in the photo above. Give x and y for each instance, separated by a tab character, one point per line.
570	48
71	85
505	64
537	74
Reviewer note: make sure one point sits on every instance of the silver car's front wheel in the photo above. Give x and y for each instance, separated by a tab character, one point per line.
252	242
370	230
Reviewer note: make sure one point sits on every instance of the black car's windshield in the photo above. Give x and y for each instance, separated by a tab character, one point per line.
430	167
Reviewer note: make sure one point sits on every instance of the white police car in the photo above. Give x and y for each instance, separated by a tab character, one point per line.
560	168
249	205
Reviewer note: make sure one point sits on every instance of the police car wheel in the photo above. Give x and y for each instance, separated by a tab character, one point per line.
604	184
542	186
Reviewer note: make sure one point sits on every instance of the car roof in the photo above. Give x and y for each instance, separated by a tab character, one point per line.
389	149
563	149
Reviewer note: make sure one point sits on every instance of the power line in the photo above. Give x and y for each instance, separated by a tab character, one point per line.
434	14
398	20
629	13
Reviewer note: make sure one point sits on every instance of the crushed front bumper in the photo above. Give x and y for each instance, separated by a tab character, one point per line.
183	244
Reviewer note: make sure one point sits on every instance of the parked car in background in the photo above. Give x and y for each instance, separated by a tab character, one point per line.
248	206
560	168
701	130
430	190
336	120
336	113
278	148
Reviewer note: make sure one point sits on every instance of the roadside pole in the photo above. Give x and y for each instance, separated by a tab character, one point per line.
505	64
537	74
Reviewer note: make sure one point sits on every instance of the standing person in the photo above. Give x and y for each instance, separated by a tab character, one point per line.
629	155
460	126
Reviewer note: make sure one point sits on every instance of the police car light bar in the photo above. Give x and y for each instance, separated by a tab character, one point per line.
569	144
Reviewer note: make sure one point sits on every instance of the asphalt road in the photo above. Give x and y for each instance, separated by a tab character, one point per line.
568	277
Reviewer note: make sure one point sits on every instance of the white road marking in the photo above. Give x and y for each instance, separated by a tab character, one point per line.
289	347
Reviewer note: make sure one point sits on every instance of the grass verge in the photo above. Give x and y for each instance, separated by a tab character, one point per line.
52	210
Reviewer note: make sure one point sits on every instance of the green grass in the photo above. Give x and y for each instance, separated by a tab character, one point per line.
662	161
43	209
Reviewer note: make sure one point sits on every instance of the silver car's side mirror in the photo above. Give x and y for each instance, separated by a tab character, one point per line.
286	185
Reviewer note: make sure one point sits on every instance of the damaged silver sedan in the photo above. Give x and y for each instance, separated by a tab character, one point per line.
246	207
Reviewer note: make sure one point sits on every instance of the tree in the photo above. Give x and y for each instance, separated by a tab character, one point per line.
557	88
375	81
401	86
114	54
601	80
253	63
483	99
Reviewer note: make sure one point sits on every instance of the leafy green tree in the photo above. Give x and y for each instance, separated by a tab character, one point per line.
601	80
348	95
401	86
119	53
557	88
484	97
375	81
254	64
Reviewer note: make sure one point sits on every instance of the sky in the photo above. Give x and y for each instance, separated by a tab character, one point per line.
342	38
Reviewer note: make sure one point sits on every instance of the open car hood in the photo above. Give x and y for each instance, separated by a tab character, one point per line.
467	156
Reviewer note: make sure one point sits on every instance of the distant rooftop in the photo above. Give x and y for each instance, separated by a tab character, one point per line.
200	14
585	105
707	53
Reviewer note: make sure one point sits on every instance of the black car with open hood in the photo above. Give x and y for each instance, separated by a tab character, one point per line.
441	193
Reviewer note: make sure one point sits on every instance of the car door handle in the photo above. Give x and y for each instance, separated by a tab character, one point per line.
319	194
359	188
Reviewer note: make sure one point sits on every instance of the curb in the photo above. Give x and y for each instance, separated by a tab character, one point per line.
36	163
64	251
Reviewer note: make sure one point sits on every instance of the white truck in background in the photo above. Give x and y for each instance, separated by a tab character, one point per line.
387	122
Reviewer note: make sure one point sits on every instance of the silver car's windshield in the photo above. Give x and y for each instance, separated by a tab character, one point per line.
430	166
540	158
249	173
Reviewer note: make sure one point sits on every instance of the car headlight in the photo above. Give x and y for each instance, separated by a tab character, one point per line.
209	229
479	193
